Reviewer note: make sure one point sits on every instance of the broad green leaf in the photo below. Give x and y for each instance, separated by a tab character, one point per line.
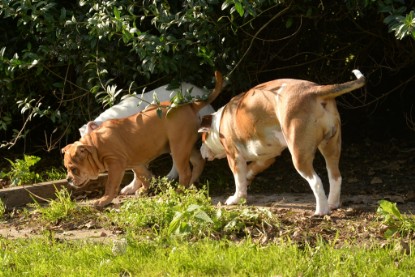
390	208
203	216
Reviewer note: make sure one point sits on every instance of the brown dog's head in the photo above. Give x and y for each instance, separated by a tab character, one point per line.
81	162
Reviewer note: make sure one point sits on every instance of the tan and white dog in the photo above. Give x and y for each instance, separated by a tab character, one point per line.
256	126
134	141
134	103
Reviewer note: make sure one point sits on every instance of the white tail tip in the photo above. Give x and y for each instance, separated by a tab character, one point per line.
357	73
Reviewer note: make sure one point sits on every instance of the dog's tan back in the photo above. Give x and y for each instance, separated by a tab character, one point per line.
145	133
269	106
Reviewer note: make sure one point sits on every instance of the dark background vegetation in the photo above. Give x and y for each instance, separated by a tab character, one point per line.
63	62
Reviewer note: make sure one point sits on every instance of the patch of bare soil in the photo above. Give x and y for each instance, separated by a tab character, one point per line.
371	172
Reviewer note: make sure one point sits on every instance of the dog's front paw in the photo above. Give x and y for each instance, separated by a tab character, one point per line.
235	200
102	202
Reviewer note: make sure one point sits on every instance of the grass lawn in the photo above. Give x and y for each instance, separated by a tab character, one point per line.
183	234
42	257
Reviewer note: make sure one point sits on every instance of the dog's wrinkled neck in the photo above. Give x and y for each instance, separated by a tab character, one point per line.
93	159
95	163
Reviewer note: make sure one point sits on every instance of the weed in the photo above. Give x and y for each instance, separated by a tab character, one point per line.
395	221
188	214
2	209
186	222
247	218
168	213
63	207
20	171
54	174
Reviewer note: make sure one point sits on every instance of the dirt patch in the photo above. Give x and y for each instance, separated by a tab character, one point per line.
356	221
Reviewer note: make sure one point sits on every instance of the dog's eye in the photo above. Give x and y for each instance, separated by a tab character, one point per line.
75	171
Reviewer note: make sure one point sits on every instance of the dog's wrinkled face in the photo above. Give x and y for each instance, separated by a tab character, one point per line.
78	160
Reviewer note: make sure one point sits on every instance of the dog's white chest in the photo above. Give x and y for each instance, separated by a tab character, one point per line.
271	146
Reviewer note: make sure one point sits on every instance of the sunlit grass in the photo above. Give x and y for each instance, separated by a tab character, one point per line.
43	257
175	233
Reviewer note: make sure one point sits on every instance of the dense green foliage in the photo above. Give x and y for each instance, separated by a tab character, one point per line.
21	172
62	62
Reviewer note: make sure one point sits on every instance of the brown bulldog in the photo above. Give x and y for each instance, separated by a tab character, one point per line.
134	141
256	126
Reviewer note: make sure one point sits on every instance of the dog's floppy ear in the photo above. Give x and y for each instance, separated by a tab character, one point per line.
79	150
91	126
83	150
206	123
63	150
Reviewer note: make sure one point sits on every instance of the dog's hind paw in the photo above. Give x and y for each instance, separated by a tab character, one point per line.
334	206
142	191
322	211
128	190
235	200
131	188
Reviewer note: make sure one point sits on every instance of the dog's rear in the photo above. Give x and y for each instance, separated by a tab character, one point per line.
313	122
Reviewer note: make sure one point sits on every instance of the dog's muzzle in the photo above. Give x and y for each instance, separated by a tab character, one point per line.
69	180
72	183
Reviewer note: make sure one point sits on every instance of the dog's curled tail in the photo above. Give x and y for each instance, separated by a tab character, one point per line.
198	105
332	91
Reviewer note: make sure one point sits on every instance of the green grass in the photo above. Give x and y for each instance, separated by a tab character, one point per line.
43	257
182	234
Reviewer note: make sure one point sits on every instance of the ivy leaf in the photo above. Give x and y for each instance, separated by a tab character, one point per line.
159	112
239	8
117	13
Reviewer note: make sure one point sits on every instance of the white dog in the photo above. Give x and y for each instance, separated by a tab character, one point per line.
132	104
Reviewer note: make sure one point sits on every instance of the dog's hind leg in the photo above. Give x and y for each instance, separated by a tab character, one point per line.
181	158
303	163
198	164
303	138
316	185
173	174
331	153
